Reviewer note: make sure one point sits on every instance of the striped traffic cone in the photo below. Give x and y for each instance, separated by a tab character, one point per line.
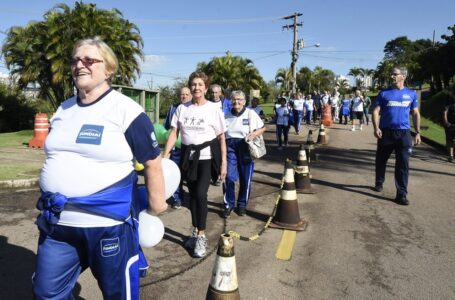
322	139
302	174
287	215
223	284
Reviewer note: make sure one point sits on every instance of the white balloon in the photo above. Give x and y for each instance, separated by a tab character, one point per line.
171	173
151	230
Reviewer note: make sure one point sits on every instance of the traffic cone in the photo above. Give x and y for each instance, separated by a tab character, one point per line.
322	139
40	131
223	284
327	115
287	215
309	147
302	174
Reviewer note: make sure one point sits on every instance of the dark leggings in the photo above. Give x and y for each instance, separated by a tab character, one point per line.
198	194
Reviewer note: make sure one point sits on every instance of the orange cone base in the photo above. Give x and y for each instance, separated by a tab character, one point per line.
300	226
213	294
327	123
36	143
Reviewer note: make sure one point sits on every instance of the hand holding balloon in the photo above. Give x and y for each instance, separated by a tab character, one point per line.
151	230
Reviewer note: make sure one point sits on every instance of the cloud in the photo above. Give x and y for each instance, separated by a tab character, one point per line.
153	62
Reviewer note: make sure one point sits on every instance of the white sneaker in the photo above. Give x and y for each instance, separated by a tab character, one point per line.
190	242
353	129
360	128
200	250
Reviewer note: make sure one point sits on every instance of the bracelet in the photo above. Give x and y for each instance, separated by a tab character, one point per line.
417	132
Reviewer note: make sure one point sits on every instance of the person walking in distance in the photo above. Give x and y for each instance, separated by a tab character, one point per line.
357	110
448	117
185	96
392	129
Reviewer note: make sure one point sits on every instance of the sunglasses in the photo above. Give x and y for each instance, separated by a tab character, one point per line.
86	61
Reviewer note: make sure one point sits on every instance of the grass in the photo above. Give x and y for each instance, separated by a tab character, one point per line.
22	171
12	139
432	131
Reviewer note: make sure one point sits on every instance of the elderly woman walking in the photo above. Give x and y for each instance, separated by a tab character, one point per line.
241	123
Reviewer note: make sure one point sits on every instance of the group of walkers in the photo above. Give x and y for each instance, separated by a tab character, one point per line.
89	194
308	109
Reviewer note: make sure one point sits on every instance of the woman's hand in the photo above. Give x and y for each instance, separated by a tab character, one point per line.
223	170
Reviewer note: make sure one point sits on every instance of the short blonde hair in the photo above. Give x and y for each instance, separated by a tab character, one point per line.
109	57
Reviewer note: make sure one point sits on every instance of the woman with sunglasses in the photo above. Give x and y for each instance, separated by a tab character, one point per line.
88	183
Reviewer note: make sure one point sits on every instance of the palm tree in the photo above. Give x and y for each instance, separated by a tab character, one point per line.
357	73
283	77
233	73
40	51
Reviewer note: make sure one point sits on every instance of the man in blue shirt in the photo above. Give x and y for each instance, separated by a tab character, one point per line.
392	129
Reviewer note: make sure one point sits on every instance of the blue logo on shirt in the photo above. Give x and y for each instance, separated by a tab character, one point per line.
110	247
90	134
245	122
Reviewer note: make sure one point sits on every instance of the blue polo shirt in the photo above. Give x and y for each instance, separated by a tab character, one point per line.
395	106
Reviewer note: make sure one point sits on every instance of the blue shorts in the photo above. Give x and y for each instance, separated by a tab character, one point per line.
110	252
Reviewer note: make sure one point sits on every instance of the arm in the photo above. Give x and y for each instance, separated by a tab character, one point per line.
154	181
170	142
445	121
375	116
416	121
222	141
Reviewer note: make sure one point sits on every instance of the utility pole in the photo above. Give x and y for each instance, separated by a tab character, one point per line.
295	46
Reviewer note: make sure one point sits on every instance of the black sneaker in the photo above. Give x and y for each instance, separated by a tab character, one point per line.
216	182
241	211
378	188
402	200
226	213
450	159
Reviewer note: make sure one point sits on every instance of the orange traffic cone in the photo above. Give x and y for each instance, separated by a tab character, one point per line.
327	115
302	174
287	215
223	284
40	132
309	147
322	139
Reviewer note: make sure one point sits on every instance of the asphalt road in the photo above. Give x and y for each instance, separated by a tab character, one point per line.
358	245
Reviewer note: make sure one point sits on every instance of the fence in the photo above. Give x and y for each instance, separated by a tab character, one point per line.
148	99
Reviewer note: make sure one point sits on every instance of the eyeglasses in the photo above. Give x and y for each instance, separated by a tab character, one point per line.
395	74
86	61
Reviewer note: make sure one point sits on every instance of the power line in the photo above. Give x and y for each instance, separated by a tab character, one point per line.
211	36
208	21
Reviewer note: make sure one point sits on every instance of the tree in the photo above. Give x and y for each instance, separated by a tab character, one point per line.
283	78
233	73
40	51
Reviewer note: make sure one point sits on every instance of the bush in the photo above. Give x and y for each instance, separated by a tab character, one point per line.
433	107
15	114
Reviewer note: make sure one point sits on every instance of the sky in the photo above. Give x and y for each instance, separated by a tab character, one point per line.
179	34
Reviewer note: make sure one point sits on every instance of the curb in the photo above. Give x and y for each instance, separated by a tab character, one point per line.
17	184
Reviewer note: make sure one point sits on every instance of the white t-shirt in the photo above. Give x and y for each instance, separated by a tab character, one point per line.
199	124
357	104
239	126
325	99
282	116
336	99
309	104
298	104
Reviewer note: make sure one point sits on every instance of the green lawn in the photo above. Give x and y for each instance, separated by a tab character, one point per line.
432	131
12	139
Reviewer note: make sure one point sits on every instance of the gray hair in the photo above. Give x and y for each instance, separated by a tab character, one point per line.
403	70
238	93
216	86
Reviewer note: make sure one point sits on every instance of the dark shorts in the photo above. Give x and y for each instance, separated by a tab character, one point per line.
450	133
357	115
